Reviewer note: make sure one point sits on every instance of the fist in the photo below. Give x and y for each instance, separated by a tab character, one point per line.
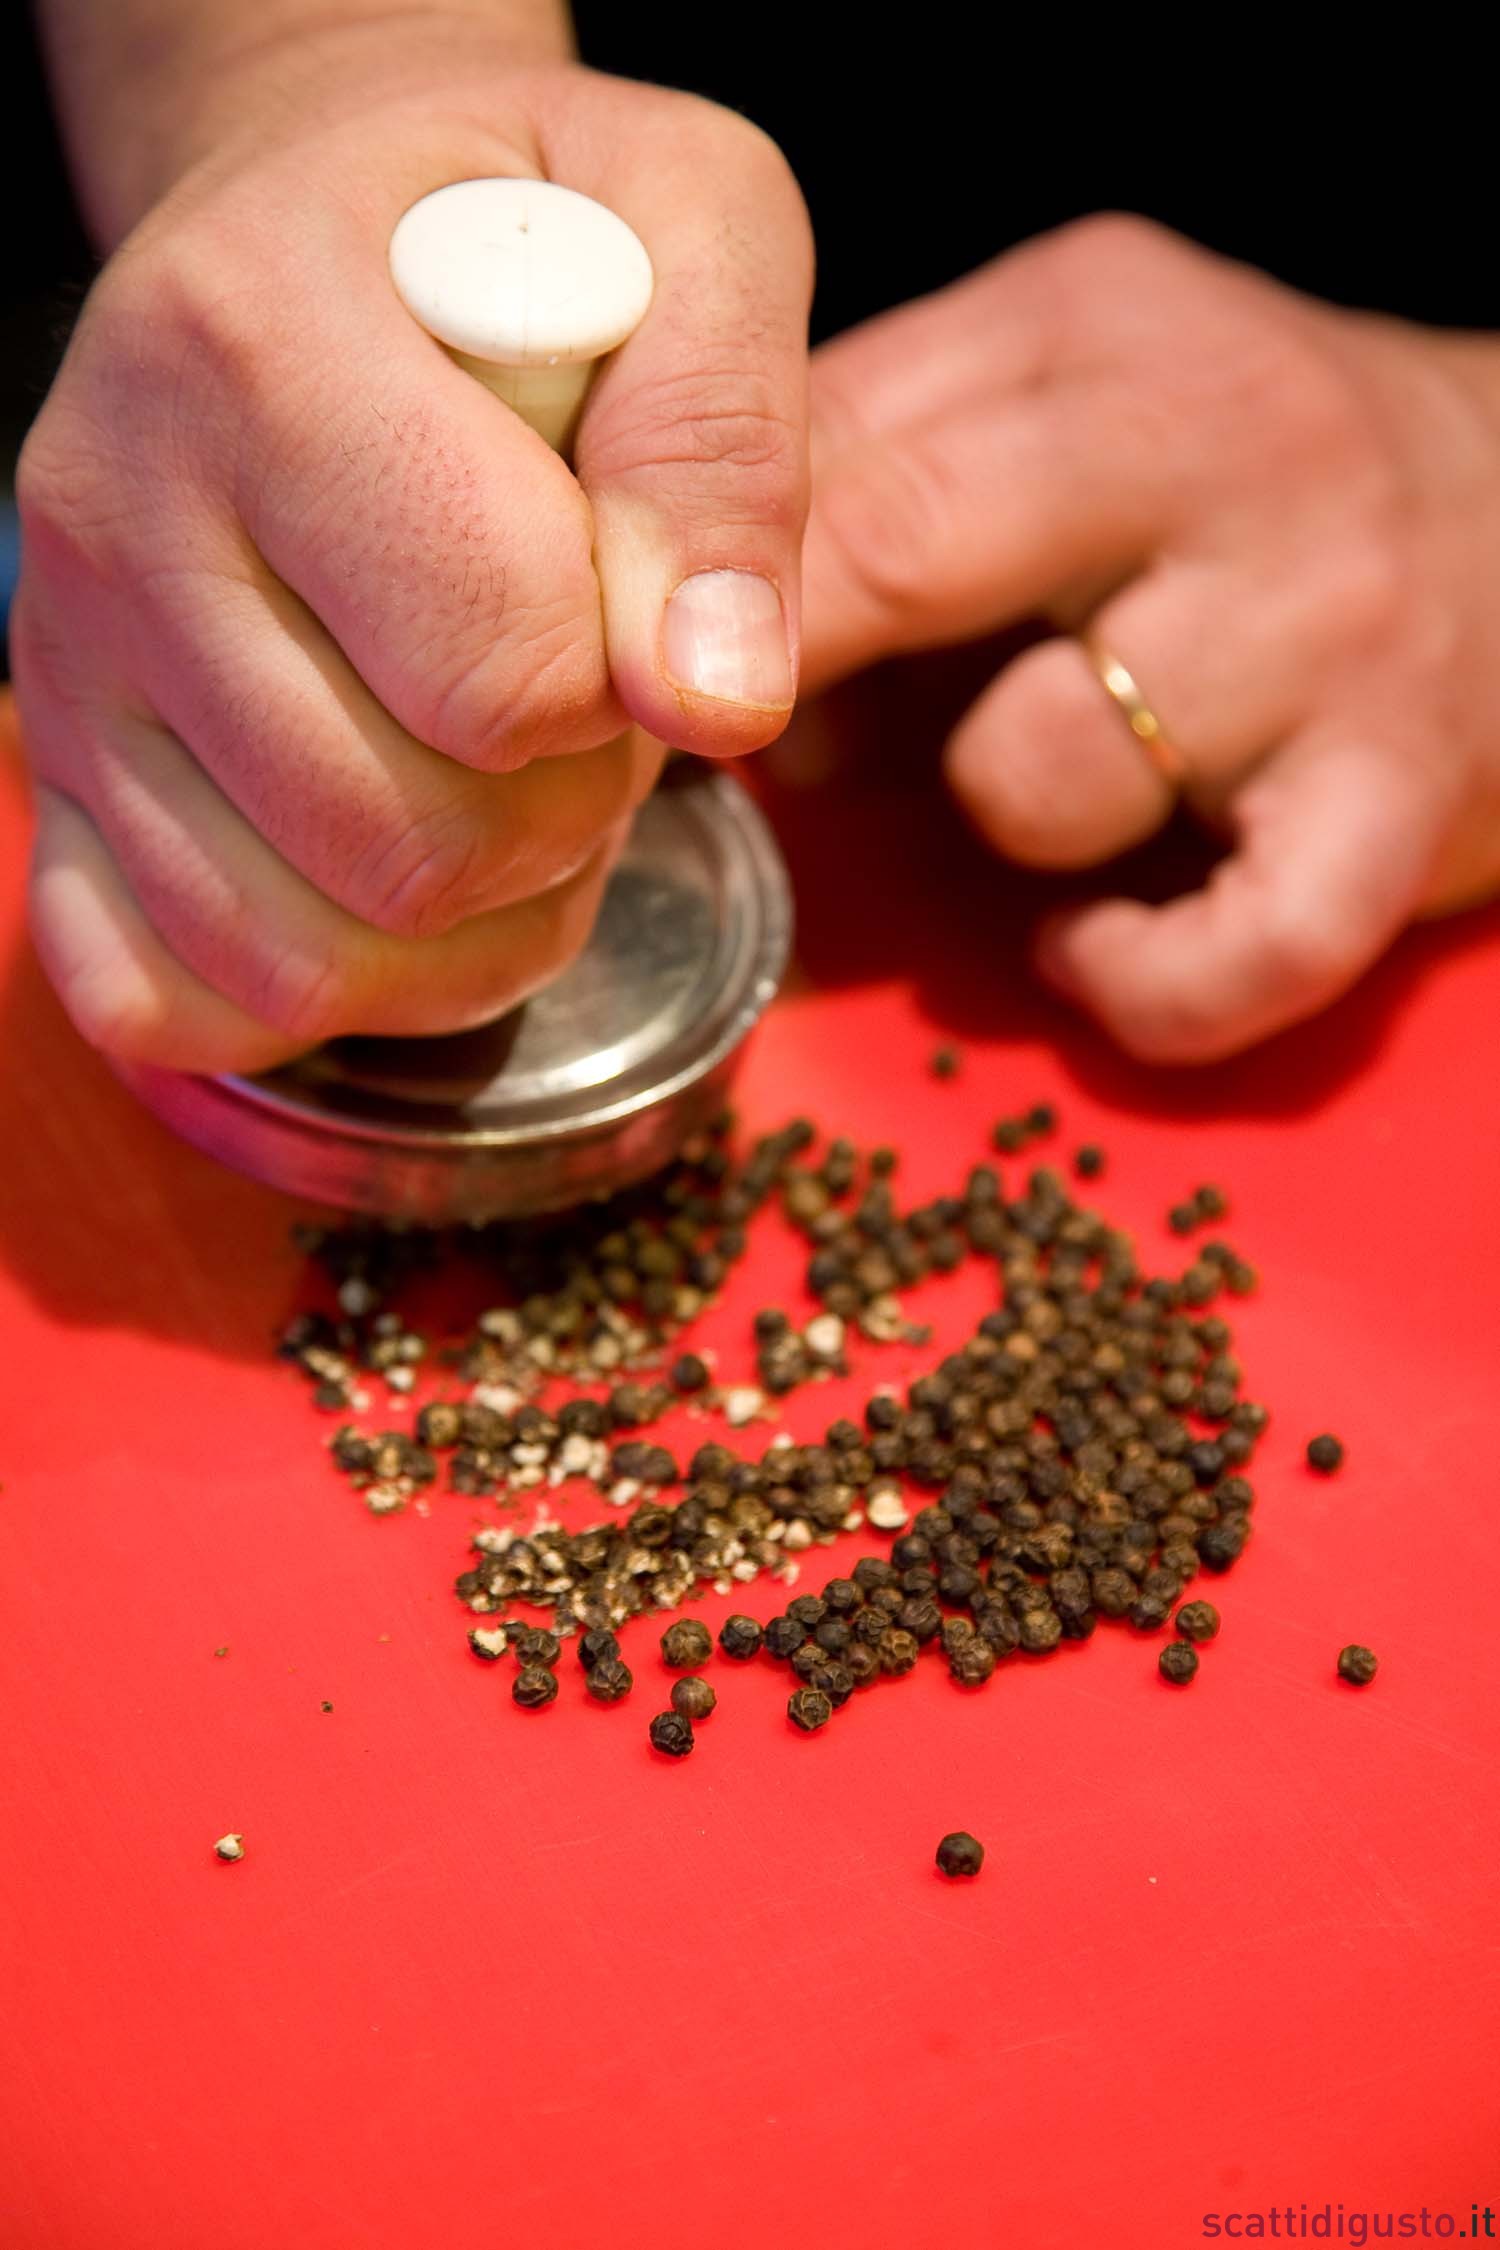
1283	519
340	687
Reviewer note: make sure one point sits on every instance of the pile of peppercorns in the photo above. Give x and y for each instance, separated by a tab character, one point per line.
1083	1453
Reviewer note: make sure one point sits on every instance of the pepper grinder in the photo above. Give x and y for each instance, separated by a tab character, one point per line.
598	1080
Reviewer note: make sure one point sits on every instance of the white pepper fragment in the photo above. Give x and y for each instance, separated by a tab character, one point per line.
230	1847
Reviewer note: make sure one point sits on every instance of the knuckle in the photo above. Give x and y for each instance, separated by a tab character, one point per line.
544	690
306	997
1104	245
720	435
891	526
418	882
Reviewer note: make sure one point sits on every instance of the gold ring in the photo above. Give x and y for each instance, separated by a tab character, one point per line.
1119	684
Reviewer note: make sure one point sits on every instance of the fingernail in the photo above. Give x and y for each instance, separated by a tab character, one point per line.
724	635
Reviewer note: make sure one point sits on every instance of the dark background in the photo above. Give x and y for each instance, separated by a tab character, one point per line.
1366	176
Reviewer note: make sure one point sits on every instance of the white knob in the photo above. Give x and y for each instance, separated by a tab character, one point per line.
528	285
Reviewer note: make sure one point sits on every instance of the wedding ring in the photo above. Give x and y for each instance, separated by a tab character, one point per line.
1120	685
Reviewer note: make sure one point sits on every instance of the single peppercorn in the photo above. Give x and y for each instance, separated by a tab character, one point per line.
809	1709
1008	1135
671	1734
536	1646
783	1637
689	1373
898	1651
741	1638
1210	1202
1182	1218
692	1698
960	1853
1041	1119
1357	1665
534	1687
1178	1662
686	1645
1088	1161
609	1680
597	1646
1198	1621
945	1062
972	1662
1325	1454
808	1610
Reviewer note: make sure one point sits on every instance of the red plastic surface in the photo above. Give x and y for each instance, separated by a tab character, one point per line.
483	1975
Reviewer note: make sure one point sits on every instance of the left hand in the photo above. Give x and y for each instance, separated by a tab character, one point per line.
1283	518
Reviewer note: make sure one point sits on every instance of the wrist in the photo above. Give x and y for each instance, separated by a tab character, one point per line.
209	90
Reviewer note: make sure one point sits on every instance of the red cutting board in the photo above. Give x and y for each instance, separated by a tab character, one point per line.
482	1975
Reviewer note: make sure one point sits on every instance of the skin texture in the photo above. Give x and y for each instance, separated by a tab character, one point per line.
339	686
1284	519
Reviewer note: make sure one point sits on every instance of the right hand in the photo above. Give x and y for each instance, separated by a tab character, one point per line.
327	665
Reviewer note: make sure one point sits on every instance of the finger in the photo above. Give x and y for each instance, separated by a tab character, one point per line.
1338	838
1228	662
443	545
400	836
987	336
961	526
1047	768
250	927
124	990
692	447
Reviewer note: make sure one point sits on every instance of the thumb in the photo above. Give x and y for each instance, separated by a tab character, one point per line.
692	447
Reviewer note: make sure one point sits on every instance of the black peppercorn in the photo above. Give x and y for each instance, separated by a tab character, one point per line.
1325	1454
534	1687
862	1663
920	1616
960	1854
671	1734
608	1679
972	1661
783	1637
1178	1662
597	1646
1222	1543
689	1373
1210	1202
1041	1119
692	1698
686	1645
898	1651
807	1610
1198	1621
1357	1665
535	1645
833	1635
1182	1218
1041	1630
809	1709
945	1062
740	1637
1088	1161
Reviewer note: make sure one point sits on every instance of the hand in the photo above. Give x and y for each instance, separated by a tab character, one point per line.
327	665
1284	519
